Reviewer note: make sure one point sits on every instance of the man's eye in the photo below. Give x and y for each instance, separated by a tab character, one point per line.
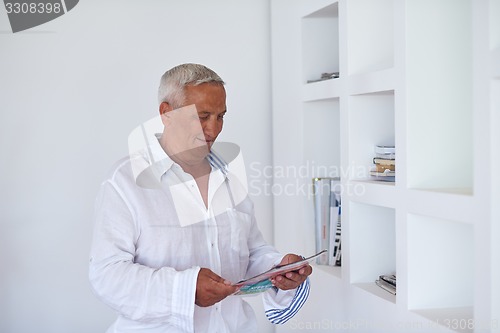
221	116
203	117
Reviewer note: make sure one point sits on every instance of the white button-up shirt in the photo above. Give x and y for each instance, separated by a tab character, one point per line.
148	248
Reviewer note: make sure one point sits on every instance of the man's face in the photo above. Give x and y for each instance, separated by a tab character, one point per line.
210	101
191	130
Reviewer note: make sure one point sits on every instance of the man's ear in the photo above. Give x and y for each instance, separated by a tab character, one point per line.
164	108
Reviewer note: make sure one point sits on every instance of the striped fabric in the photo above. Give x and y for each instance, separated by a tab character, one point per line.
217	162
281	316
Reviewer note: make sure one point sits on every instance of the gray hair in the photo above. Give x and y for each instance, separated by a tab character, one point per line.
174	80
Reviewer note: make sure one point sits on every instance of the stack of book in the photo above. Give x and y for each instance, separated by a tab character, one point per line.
387	282
327	219
384	163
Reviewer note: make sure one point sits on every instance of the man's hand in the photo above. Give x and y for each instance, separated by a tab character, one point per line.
291	280
211	288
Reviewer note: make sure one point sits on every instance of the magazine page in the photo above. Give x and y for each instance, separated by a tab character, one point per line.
262	282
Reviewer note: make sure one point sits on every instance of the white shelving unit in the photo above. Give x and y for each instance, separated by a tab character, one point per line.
423	75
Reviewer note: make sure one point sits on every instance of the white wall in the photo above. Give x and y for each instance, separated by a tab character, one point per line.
70	92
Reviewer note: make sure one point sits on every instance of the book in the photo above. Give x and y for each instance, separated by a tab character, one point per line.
338	257
385	152
389	279
384	167
262	282
384	161
386	173
386	286
387	176
335	234
326	76
335	220
385	149
322	194
386	156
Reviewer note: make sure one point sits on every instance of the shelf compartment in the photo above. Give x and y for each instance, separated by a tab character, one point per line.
372	288
321	153
320	42
440	263
372	246
439	95
322	145
371	122
370	34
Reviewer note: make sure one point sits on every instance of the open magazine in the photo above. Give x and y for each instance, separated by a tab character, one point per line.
262	282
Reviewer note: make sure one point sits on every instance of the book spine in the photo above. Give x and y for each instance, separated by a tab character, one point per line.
321	187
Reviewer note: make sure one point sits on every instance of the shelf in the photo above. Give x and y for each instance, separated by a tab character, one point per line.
321	90
454	191
463	192
371	122
320	51
439	95
373	289
370	34
335	271
445	205
456	319
375	192
440	263
372	242
372	82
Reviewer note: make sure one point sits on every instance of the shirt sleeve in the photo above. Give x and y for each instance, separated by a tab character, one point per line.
137	292
282	305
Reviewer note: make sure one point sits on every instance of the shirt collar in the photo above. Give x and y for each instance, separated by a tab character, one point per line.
151	163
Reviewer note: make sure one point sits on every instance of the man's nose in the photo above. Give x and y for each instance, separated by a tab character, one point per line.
211	127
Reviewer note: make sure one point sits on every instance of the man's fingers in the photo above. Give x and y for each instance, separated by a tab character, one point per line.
211	275
284	283
293	279
211	288
307	270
